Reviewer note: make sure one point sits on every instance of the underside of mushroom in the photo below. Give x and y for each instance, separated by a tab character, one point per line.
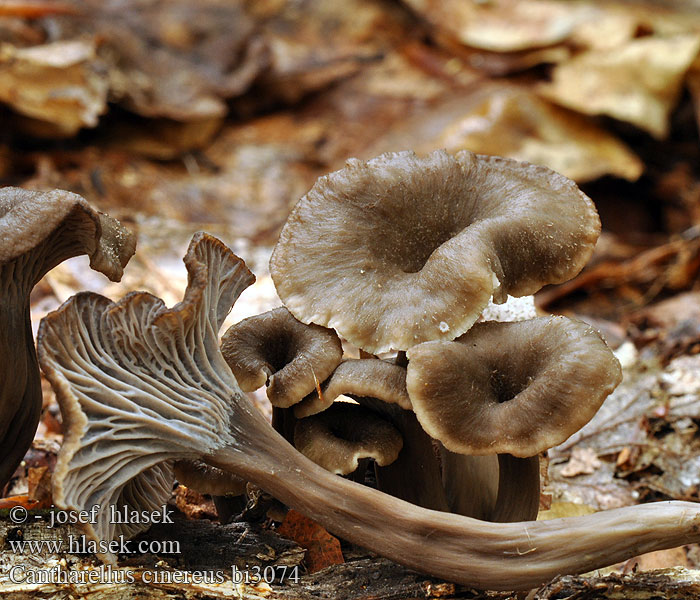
142	385
39	230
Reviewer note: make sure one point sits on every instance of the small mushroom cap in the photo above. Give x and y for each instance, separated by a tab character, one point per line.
400	249
516	388
28	219
277	349
338	438
366	377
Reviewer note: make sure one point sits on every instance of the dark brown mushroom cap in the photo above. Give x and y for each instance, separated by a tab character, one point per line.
338	438
275	348
516	388
401	249
365	377
39	230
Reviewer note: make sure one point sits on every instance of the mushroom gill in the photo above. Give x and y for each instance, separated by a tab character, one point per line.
141	385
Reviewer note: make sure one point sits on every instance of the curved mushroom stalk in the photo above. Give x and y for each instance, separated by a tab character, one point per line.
141	385
39	230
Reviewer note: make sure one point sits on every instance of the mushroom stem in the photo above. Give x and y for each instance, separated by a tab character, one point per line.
415	475
21	386
518	489
496	556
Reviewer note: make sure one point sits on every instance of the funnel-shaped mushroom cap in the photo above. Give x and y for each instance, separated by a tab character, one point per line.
275	348
338	438
39	230
401	250
516	388
141	385
366	377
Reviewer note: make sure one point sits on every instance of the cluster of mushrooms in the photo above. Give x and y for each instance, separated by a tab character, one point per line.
409	260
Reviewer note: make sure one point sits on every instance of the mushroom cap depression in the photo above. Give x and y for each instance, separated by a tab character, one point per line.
339	437
277	349
400	249
517	388
39	230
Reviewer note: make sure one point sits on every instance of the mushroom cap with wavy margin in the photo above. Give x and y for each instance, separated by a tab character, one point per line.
39	230
517	388
140	385
276	349
341	436
400	249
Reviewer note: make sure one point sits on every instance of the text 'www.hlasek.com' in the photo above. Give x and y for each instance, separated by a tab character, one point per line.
60	571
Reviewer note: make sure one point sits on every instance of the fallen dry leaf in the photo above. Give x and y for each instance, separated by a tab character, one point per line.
506	25
512	121
323	550
638	82
20	500
313	43
172	58
671	327
582	460
39	485
62	84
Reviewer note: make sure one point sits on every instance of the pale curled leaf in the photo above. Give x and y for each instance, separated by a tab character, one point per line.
63	83
513	121
638	82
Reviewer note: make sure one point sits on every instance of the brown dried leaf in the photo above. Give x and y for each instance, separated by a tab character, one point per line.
630	280
323	550
162	139
638	82
506	25
582	460
172	58
39	485
514	122
63	83
314	43
671	327
382	95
